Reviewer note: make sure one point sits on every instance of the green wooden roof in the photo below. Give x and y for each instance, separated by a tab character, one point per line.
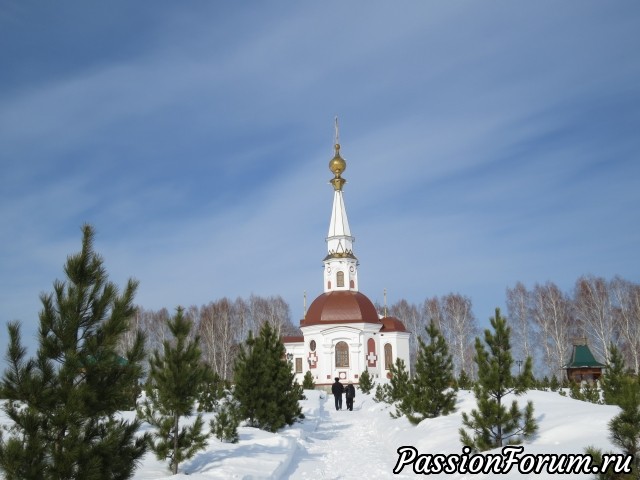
582	357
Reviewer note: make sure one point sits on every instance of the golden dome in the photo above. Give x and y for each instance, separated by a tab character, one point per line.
337	164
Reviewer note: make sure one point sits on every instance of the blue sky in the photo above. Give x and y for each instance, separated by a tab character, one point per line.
486	143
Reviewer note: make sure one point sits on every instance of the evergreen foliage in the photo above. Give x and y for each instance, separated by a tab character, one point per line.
575	390
554	384
226	421
381	394
398	387
464	382
625	427
430	393
399	380
544	384
365	382
211	391
265	384
492	424
585	391
63	402
307	381
175	381
591	392
624	430
613	379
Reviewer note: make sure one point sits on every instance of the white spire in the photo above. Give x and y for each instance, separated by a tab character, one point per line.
341	266
339	239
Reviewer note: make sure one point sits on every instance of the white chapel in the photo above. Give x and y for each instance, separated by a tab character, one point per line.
343	334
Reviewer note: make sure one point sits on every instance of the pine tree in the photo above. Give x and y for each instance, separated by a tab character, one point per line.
611	382
430	392
211	391
625	427
175	380
381	394
590	392
63	402
492	424
398	386
624	430
464	382
365	383
265	384
575	391
399	381
544	384
226	421
307	381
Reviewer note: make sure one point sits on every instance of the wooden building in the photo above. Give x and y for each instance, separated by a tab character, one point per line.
583	365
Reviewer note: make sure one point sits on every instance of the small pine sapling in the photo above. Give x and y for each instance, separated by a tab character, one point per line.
430	392
612	380
307	381
226	421
382	394
398	386
365	382
175	381
265	385
492	425
464	382
211	390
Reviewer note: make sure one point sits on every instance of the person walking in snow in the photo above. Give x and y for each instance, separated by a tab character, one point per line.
337	389
350	394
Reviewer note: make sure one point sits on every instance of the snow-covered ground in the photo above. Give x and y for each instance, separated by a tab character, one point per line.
361	444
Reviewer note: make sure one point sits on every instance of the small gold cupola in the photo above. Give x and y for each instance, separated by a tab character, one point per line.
337	164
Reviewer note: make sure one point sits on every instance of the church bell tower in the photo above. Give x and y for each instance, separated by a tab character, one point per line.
340	264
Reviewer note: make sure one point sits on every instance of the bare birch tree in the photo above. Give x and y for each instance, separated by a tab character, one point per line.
217	330
273	310
519	319
454	318
155	325
410	316
432	311
462	323
594	311
627	299
551	312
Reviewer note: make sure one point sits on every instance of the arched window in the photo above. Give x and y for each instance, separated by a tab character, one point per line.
371	352
342	355
388	356
312	345
340	279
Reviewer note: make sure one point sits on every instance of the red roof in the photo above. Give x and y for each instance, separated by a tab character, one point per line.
291	339
340	307
392	324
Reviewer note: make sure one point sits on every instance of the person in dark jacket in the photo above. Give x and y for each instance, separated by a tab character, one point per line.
350	394
337	389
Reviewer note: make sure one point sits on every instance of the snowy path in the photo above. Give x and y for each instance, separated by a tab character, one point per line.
344	446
